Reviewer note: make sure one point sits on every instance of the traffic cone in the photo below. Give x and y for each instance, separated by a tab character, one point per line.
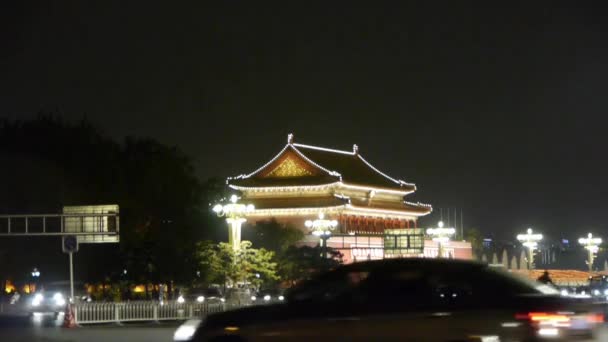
69	321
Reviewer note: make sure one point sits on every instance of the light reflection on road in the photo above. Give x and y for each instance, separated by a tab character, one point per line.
47	320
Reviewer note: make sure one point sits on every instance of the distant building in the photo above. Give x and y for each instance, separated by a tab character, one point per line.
302	181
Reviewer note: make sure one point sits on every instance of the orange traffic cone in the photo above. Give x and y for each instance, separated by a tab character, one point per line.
69	321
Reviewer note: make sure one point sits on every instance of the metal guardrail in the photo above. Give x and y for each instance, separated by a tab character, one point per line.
88	313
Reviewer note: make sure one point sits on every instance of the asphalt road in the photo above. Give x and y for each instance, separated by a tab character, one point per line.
48	328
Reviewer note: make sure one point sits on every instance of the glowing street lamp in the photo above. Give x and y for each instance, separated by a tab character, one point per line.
530	241
591	245
440	235
322	228
235	216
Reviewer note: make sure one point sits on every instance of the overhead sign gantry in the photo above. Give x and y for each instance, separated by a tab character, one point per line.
76	225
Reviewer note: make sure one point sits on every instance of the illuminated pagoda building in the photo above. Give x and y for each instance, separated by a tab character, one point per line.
373	218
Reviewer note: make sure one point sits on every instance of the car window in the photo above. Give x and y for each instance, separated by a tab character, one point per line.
329	287
519	285
391	291
477	287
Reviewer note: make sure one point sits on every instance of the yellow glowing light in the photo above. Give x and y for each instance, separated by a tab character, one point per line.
139	289
9	287
289	168
231	328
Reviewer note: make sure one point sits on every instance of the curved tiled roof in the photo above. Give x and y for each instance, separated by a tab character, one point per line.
329	166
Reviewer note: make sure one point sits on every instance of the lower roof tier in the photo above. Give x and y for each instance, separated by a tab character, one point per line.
304	206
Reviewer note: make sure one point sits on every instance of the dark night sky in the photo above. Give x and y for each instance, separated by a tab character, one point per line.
499	111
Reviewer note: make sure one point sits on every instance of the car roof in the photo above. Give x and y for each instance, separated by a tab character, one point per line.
416	263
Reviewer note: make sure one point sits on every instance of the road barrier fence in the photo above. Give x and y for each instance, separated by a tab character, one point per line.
139	311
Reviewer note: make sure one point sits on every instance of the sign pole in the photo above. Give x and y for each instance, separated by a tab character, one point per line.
71	277
70	246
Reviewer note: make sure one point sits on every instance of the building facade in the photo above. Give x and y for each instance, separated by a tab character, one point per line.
303	181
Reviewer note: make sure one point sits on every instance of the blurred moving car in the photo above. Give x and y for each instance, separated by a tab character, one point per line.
598	286
54	297
268	296
210	295
408	299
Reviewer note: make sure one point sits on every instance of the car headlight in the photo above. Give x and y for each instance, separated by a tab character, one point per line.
564	292
281	298
59	300
606	292
38	298
186	331
180	299
266	297
222	300
254	298
596	292
200	299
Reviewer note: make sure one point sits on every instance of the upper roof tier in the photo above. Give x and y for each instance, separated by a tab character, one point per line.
298	164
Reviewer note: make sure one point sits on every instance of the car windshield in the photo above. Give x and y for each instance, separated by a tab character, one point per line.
597	282
213	292
522	284
479	279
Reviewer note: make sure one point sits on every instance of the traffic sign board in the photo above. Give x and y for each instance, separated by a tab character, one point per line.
70	244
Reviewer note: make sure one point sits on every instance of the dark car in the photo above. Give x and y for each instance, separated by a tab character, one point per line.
53	297
210	295
407	299
268	296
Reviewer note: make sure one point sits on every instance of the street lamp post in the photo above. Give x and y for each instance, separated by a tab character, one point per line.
35	276
591	245
530	241
235	216
322	228
440	235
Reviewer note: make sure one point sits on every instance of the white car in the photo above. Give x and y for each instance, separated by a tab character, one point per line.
46	302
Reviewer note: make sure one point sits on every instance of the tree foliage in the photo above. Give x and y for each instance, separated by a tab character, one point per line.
51	163
300	263
294	262
473	235
273	236
247	266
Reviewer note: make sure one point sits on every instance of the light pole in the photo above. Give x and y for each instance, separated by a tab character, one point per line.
530	241
35	276
235	216
591	245
440	235
322	228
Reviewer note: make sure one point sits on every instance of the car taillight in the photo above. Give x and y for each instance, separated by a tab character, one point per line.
595	318
546	318
557	318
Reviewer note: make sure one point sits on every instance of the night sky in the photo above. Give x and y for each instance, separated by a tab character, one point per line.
498	111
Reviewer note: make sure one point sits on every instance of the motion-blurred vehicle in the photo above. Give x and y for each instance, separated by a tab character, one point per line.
407	299
54	297
268	296
598	286
210	295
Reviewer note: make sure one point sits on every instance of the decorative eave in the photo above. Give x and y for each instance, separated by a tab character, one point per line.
289	146
332	204
360	168
334	185
355	153
341	209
